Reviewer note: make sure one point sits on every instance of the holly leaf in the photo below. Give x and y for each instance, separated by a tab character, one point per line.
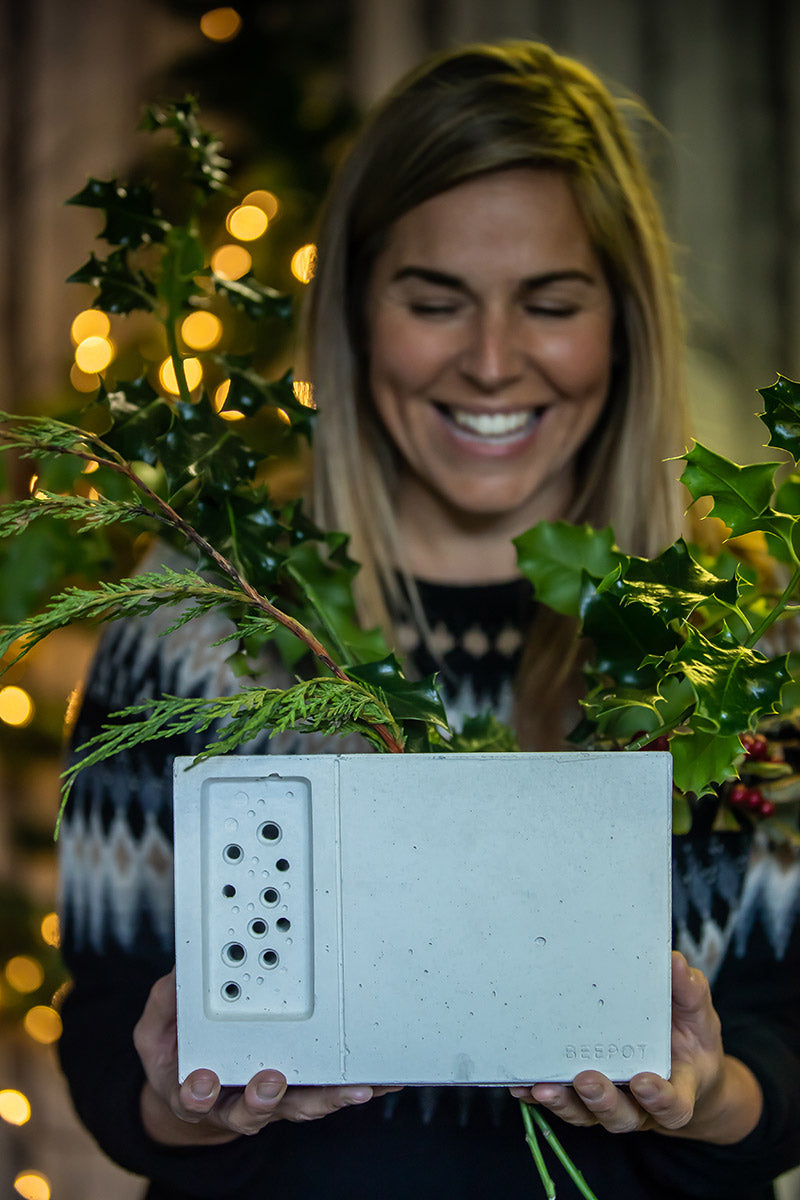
121	289
703	758
200	445
629	638
482	734
208	169
327	585
249	392
733	685
139	417
556	557
782	415
255	299
132	218
407	700
674	584
740	495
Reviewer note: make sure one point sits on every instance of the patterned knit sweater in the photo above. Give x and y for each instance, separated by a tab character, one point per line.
736	915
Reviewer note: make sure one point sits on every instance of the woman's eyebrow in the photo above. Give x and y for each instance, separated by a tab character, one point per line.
428	275
443	279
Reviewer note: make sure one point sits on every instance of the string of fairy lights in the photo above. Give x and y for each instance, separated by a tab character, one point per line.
95	349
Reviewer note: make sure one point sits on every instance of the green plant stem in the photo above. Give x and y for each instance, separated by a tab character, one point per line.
660	731
536	1151
776	612
177	360
563	1157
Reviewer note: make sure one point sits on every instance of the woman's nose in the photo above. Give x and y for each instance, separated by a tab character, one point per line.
493	359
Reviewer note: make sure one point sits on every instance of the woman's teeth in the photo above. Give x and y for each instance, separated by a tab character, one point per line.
492	425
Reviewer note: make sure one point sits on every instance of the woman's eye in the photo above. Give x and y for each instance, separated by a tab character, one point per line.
424	308
551	310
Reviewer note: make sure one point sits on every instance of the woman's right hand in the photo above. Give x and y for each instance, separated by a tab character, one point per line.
201	1112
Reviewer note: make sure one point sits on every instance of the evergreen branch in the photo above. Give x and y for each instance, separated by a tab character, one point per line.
44	435
321	705
16	517
138	596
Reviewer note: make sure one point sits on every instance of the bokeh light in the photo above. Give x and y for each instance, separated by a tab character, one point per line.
220	24
219	398
32	1185
264	200
51	930
192	369
43	1024
14	1107
231	262
81	381
24	973
16	706
201	330
89	323
94	354
247	222
303	262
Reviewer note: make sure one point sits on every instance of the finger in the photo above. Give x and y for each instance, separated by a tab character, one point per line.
564	1102
155	1033
311	1103
690	989
670	1103
615	1110
194	1099
248	1110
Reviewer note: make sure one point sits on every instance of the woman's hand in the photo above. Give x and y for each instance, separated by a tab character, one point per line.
199	1111
709	1096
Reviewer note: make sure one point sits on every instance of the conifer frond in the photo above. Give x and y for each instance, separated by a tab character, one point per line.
38	435
16	517
322	705
134	597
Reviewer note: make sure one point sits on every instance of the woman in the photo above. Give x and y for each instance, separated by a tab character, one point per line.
493	339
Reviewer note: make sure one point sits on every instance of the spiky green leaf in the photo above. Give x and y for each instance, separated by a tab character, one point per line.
782	415
556	557
740	495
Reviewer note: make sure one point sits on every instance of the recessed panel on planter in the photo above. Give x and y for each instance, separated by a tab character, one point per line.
449	918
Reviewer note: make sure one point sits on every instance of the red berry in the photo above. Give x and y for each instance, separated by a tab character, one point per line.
739	793
756	746
754	800
766	808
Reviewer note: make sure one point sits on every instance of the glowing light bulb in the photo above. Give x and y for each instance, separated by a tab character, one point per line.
51	930
231	262
94	354
43	1024
14	1107
192	369
16	706
303	263
265	200
247	222
201	330
220	24
304	392
32	1185
89	323
24	974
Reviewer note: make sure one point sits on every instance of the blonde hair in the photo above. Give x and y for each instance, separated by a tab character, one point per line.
461	114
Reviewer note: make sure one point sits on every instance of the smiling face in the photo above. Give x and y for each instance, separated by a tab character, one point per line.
490	346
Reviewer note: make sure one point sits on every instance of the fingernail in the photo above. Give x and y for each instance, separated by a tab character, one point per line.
357	1095
201	1089
268	1090
590	1091
646	1091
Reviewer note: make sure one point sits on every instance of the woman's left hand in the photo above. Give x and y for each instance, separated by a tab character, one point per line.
709	1096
